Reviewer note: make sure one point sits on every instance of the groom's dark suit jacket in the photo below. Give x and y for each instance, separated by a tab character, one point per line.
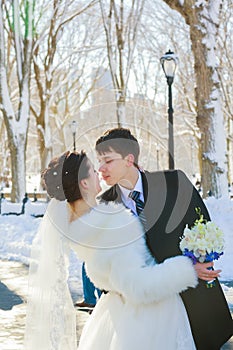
170	202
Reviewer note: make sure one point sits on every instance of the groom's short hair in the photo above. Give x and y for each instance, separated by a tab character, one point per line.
119	140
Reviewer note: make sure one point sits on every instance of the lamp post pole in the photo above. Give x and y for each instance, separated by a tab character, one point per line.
74	145
169	62
171	162
73	127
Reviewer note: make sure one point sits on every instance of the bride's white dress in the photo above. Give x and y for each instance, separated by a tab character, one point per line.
142	309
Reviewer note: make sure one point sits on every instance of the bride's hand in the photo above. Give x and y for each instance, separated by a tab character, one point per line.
205	274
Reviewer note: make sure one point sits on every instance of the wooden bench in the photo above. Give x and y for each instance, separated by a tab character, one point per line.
31	195
34	203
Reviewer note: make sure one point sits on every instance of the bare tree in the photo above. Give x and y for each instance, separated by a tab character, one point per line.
52	68
225	73
203	20
16	39
121	23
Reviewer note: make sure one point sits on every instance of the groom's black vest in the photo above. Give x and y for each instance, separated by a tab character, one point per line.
170	202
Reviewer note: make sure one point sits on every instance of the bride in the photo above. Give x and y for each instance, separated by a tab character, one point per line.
142	308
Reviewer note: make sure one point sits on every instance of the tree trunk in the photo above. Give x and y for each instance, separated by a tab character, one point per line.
44	135
18	170
120	105
203	21
210	119
17	122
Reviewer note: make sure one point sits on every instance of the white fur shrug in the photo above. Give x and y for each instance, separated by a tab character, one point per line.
111	242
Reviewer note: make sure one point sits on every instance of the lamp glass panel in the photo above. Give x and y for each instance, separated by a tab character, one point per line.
73	126
169	67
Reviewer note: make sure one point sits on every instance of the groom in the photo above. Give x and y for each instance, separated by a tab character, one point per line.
169	201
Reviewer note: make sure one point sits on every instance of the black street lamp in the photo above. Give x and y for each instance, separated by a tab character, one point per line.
73	127
169	62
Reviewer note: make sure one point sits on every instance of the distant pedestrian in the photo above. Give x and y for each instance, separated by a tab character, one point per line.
89	292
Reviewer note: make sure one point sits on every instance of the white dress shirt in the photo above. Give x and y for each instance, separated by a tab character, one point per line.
129	202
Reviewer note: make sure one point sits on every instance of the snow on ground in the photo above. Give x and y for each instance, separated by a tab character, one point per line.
221	212
17	234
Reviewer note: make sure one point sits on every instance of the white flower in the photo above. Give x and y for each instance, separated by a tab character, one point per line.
202	239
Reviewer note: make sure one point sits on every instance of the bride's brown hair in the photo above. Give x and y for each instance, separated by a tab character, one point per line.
63	175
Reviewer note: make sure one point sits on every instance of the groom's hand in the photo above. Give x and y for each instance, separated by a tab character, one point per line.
205	274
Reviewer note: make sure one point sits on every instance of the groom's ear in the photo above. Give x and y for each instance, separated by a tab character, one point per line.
130	159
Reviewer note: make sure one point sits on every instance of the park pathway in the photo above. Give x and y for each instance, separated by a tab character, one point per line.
13	293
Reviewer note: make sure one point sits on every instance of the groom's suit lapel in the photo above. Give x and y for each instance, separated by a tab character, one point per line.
169	197
165	209
155	189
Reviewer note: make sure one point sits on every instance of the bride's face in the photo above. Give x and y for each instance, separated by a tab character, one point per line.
93	181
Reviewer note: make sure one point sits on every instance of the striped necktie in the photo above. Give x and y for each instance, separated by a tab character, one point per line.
134	195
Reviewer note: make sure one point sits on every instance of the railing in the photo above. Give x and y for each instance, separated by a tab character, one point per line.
33	203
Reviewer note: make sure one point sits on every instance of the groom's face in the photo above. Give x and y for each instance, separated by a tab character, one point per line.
113	167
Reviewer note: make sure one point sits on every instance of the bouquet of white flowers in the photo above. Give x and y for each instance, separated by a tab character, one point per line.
203	242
